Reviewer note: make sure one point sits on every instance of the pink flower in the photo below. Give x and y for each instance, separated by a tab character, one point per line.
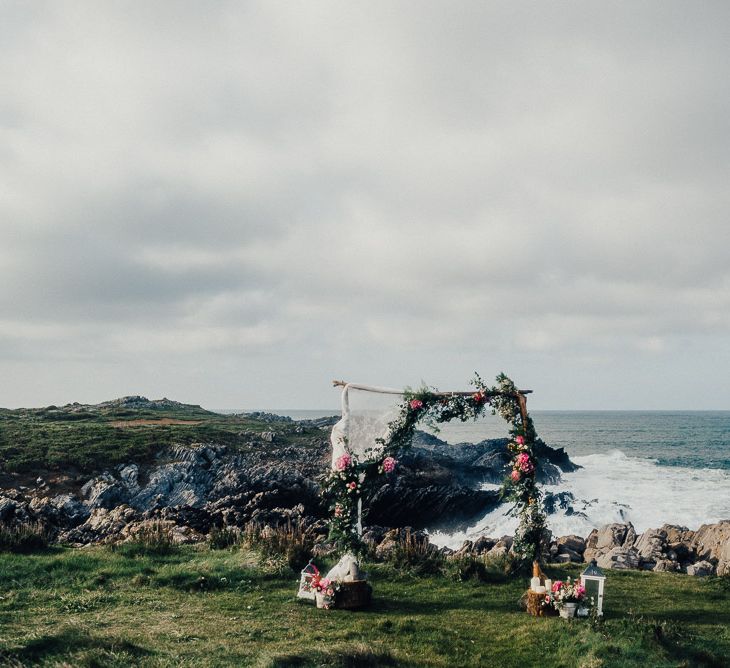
515	475
416	404
524	463
353	485
520	440
557	585
478	398
342	462
389	464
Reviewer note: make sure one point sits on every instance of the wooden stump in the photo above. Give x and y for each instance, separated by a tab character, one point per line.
535	605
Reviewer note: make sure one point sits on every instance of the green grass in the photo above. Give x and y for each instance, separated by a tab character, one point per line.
50	439
200	607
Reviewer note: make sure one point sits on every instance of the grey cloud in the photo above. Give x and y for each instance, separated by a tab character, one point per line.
398	190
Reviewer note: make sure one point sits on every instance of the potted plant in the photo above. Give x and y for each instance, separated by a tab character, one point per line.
565	597
324	591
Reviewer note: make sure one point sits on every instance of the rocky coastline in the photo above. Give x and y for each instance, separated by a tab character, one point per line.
266	478
670	548
207	486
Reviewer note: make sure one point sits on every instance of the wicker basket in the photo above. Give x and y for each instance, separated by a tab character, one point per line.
354	595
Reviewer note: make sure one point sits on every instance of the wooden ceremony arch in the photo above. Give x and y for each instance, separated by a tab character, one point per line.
350	478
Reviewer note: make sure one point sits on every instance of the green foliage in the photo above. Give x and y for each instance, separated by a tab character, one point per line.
153	538
23	538
467	567
288	546
416	556
223	538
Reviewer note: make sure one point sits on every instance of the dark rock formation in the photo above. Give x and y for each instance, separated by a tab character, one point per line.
269	481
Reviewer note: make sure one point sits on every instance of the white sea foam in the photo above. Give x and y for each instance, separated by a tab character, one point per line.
612	487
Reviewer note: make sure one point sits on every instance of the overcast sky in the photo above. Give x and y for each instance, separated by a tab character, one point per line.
233	203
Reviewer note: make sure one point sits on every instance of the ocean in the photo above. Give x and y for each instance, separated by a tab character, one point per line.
648	468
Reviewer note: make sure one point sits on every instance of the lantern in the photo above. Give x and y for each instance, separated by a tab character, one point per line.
305	588
594	580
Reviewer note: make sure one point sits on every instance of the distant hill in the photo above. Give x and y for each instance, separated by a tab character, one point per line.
88	438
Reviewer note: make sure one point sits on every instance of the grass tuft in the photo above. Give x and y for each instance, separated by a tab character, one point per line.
23	538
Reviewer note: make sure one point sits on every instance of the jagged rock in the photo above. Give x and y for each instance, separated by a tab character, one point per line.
603	540
63	509
373	536
501	548
483	544
680	551
104	491
559	500
701	569
711	542
566	555
410	499
7	509
677	534
71	510
102	525
651	546
666	566
388	545
572	542
467	547
129	474
619	558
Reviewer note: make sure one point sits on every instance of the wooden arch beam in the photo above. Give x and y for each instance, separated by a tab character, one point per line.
520	395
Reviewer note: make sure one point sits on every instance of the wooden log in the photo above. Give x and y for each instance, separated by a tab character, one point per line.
535	605
385	390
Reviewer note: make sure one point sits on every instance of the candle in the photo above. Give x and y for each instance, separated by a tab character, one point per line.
540	590
548	584
534	583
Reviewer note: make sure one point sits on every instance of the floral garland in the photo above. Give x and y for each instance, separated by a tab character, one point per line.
355	480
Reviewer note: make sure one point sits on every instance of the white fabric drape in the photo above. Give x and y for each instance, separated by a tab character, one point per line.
362	423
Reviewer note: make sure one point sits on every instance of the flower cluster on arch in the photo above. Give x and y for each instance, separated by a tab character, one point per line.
355	480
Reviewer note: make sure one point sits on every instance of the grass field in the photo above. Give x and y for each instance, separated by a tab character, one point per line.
89	439
200	607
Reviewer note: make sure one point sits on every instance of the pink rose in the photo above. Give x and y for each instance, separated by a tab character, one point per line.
416	404
515	475
353	485
524	463
342	462
520	440
389	464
